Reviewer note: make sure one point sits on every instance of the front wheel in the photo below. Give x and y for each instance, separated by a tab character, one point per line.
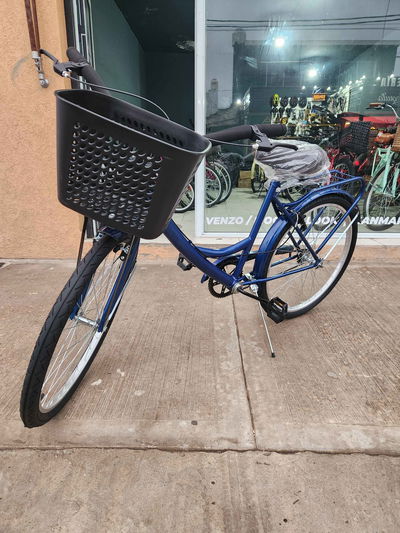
304	289
72	334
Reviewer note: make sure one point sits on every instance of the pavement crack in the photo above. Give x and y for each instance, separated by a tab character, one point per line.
244	373
194	450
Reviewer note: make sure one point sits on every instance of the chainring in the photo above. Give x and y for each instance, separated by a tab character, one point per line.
215	287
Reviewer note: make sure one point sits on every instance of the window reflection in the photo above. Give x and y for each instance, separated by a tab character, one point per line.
315	67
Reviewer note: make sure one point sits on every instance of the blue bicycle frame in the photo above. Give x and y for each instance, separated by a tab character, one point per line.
242	251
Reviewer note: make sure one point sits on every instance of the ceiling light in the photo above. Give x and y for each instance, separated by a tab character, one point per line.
363	77
350	82
378	78
340	88
392	75
303	87
314	87
328	88
279	42
312	72
238	101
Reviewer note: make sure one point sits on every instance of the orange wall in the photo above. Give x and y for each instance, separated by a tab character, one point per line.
33	223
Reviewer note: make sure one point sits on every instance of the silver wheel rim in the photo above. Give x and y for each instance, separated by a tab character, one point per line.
80	337
187	198
301	289
212	187
383	200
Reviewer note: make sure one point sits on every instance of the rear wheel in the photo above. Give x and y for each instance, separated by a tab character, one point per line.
382	203
70	337
305	289
213	187
345	165
186	201
225	180
257	179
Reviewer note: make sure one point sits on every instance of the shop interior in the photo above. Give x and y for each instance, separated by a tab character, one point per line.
313	66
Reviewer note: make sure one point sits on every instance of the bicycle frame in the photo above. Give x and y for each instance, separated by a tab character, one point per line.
286	213
385	162
242	251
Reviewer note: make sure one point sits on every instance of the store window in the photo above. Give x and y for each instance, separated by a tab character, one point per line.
316	67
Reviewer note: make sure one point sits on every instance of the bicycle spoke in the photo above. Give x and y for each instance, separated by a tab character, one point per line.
76	342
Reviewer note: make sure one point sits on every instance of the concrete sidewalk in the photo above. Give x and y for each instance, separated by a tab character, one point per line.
186	373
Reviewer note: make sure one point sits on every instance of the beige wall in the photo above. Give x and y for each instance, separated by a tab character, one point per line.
33	223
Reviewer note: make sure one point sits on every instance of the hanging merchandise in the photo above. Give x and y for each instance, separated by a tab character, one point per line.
302	101
275	100
284	101
293	101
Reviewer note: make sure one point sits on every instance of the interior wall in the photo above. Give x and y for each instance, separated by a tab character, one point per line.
33	223
119	56
170	83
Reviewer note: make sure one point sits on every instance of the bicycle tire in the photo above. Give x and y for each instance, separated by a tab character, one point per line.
345	165
226	179
213	187
186	201
369	200
258	180
32	410
271	289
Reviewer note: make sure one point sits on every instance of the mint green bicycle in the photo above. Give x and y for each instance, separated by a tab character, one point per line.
382	201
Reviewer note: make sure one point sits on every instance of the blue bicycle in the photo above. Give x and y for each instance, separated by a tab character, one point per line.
110	167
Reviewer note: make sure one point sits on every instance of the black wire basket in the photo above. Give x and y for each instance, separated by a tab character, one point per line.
122	165
356	137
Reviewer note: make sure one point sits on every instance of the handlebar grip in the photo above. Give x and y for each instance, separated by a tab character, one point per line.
88	72
245	132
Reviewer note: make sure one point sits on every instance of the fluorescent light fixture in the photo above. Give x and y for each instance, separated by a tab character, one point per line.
279	42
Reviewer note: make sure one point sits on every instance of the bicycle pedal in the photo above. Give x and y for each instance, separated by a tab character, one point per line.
277	310
183	263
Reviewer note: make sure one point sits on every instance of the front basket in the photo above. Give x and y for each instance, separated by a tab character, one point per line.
122	165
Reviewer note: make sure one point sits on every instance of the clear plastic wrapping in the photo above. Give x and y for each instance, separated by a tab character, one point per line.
309	165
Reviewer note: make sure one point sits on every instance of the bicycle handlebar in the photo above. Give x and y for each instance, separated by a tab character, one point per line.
88	72
230	134
246	132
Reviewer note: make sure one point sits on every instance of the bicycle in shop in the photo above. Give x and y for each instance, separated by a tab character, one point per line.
218	187
382	202
127	167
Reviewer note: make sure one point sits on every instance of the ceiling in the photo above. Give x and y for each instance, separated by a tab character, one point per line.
160	24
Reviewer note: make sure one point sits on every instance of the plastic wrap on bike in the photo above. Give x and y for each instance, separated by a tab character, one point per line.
309	165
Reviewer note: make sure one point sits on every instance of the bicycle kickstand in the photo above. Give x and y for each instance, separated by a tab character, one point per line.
254	288
273	354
